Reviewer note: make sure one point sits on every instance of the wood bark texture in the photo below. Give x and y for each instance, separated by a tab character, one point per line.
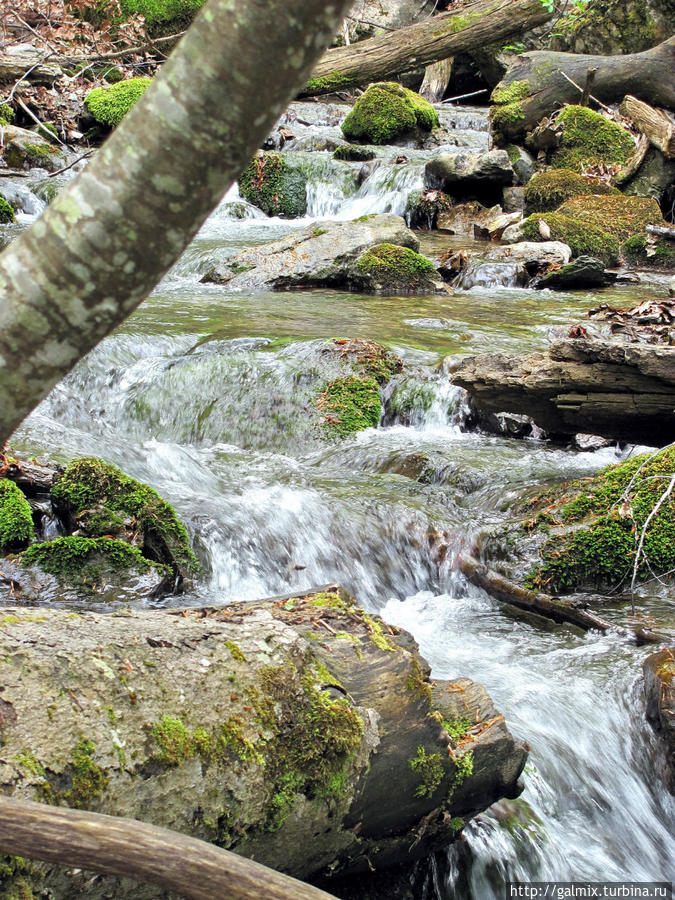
106	240
651	122
436	78
539	86
416	46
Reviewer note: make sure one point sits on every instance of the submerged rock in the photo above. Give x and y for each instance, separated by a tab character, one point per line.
659	682
321	255
387	268
299	731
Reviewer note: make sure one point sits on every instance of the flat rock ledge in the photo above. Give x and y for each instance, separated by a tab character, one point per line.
298	731
659	681
620	391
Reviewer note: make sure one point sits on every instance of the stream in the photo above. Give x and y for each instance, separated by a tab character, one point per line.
200	394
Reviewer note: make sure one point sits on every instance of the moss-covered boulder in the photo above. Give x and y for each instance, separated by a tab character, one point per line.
98	500
163	16
353	153
644	253
272	185
546	191
27	150
7	214
423	208
390	268
583	238
109	105
7	114
386	111
588	139
351	401
612	27
615	214
595	527
16	518
506	110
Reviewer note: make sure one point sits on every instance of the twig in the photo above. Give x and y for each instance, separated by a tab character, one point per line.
70	165
464	96
581	90
657	506
37	121
118	54
25	75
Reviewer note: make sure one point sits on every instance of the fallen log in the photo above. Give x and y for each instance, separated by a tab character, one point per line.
661	231
651	122
424	43
436	78
539	82
131	849
298	731
507	591
621	391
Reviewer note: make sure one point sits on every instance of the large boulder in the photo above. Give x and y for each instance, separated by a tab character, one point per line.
387	111
275	187
587	138
299	731
546	191
659	676
24	149
468	171
324	254
621	391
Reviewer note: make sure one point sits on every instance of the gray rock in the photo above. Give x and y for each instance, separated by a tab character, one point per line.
654	177
319	255
463	217
468	169
523	166
26	150
513	199
659	675
582	272
533	252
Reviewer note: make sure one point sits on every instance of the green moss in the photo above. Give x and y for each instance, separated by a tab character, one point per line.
617	214
456	728
457	823
659	255
37	153
367	358
88	778
506	112
394	268
582	238
7	214
270	183
589	139
174	744
28	760
350	404
601	551
417	684
328	83
82	560
160	13
328	599
632	27
666	671
546	191
95	493
387	110
463	770
422	208
7	114
16	519
459	22
429	768
353	153
235	650
513	153
109	105
17	878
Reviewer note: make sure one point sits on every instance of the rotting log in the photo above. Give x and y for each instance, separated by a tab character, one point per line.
436	78
298	731
555	608
424	43
131	849
620	391
651	122
539	82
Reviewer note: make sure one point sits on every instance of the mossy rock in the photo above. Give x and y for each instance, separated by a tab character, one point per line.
423	207
96	498
389	268
506	111
163	16
617	214
350	404
603	519
7	213
7	114
16	519
639	252
583	238
388	110
18	879
353	153
25	149
590	139
269	183
612	27
109	105
546	191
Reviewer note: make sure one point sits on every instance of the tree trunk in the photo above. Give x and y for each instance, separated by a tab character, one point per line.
436	78
535	85
378	58
106	240
298	731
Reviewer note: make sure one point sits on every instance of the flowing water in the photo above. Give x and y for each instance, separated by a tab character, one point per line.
202	393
